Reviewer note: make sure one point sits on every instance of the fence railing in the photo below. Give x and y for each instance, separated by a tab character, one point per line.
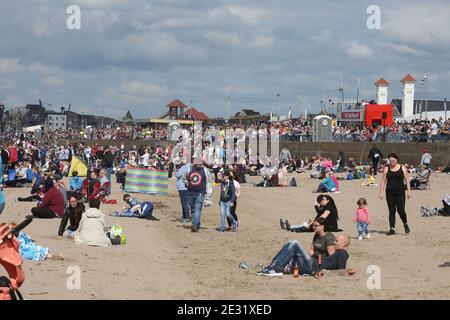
388	137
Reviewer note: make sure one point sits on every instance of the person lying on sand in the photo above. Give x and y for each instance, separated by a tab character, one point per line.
29	250
136	209
306	264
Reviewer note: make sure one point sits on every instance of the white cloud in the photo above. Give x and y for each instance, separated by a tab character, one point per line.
261	42
143	88
41	29
249	15
53	81
356	50
8	66
398	48
222	39
418	23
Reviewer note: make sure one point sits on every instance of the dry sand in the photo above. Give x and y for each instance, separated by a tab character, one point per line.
165	260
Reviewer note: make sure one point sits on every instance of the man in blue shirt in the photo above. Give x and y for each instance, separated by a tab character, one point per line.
183	192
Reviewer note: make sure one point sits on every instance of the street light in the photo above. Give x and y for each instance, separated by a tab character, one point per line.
228	105
425	79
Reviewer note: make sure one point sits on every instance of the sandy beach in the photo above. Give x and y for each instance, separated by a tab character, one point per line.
165	260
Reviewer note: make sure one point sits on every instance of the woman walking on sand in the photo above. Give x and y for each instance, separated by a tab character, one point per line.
395	180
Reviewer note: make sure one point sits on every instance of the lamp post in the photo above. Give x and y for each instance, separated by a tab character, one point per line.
228	106
426	95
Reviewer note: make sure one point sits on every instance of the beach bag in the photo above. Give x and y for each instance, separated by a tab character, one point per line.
293	182
117	236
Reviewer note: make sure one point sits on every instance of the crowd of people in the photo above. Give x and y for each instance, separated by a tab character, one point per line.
43	166
288	130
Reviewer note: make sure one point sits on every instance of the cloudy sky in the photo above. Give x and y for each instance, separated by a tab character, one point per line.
141	54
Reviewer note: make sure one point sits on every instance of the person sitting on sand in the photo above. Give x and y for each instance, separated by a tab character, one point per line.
308	265
136	209
91	187
421	179
73	213
104	185
52	202
371	179
325	208
92	228
76	182
271	180
327	185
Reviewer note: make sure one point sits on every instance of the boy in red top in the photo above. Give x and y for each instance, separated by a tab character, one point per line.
362	219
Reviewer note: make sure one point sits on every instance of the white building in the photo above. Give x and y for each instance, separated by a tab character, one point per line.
408	96
55	121
382	91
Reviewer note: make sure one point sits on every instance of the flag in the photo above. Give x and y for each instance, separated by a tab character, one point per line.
149	181
78	165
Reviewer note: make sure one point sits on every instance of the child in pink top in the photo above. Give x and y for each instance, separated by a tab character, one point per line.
362	219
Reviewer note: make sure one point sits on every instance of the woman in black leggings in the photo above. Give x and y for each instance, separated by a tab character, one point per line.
396	181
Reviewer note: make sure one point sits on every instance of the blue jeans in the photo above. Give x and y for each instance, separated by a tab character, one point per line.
108	175
293	250
362	227
196	204
224	213
184	203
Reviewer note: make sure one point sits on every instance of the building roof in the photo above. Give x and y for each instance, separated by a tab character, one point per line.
247	113
408	78
176	104
195	114
381	82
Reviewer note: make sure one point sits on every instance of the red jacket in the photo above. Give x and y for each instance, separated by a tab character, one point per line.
13	156
95	191
54	201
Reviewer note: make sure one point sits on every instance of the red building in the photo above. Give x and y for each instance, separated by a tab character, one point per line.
379	114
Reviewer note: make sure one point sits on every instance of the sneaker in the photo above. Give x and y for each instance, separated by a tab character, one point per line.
360	238
282	224
368	236
391	232
221	229
407	230
194	228
288	225
269	272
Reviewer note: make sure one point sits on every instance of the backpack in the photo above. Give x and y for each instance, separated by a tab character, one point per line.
293	182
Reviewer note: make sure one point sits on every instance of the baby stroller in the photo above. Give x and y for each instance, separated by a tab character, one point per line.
11	260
